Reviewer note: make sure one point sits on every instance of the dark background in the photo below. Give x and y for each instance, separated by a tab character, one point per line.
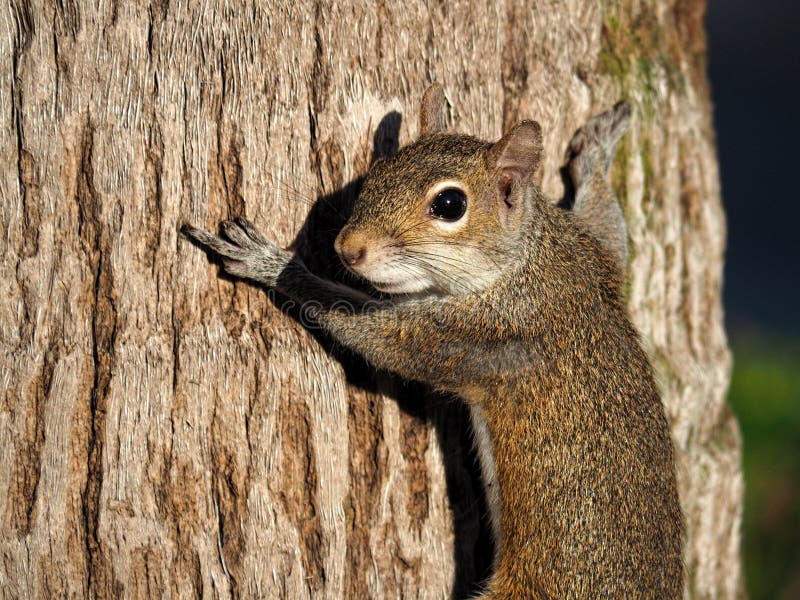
754	54
754	61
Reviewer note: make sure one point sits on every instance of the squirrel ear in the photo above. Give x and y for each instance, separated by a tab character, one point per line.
517	154
432	110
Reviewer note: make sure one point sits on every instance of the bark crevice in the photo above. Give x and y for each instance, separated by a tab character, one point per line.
103	315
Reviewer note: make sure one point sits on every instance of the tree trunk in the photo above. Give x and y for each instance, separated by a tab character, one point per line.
167	431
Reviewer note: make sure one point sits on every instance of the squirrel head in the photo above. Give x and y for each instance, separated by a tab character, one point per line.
446	213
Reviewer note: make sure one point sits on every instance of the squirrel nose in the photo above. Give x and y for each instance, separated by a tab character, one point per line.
351	248
354	256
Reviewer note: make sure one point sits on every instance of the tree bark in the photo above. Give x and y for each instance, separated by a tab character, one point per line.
165	431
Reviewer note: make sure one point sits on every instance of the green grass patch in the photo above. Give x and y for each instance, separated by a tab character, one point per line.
765	395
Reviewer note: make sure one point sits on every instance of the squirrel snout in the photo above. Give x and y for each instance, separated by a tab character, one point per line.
351	248
354	256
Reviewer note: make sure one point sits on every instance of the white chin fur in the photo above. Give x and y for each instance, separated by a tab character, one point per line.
392	280
404	277
411	286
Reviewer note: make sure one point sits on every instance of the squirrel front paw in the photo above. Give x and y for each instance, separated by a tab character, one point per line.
592	147
246	253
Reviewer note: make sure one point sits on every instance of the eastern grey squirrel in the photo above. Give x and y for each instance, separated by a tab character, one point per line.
499	295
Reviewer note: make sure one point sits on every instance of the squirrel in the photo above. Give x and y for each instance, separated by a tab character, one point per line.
513	302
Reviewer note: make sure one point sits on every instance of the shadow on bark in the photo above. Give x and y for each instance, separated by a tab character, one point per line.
473	547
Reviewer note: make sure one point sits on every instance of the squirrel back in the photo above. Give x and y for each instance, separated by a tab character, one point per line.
581	445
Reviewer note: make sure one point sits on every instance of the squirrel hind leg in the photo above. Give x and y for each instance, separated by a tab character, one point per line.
588	159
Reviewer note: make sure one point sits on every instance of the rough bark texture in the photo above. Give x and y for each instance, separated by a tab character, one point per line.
165	431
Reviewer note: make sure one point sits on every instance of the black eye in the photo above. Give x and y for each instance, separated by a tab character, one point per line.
449	205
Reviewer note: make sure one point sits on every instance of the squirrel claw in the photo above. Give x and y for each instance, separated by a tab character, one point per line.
248	254
242	233
211	242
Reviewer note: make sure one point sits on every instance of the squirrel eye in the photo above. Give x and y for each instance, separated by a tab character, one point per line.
449	205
